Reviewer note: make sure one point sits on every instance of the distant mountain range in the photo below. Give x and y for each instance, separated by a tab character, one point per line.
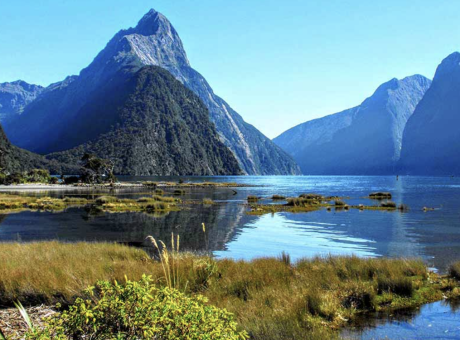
47	124
364	140
141	104
431	142
14	97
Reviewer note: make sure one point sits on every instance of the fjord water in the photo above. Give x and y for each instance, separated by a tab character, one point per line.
432	235
230	232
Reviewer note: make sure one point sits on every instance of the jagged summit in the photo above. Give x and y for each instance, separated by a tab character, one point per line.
154	22
154	41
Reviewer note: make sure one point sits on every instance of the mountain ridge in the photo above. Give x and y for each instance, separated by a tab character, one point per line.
362	140
154	41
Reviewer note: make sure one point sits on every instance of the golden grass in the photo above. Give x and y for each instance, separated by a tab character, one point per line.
9	203
271	298
53	271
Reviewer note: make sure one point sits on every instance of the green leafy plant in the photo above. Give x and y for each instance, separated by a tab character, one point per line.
139	310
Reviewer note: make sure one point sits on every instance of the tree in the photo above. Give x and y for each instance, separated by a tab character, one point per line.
96	170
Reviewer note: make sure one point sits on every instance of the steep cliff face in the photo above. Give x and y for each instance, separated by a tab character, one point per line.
431	143
14	97
363	140
154	41
148	123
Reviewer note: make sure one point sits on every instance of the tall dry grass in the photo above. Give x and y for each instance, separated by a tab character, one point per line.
272	298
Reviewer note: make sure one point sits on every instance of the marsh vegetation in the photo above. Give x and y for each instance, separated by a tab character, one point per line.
270	298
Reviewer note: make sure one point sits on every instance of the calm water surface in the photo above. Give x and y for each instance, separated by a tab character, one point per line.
433	235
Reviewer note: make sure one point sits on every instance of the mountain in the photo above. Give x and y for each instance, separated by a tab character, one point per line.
45	122
431	142
14	159
14	97
364	140
148	123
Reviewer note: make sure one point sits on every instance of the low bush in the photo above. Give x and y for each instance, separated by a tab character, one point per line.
179	192
159	192
139	310
69	180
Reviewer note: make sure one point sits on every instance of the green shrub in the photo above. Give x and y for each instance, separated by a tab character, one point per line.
179	192
38	176
53	180
139	310
159	192
16	178
71	180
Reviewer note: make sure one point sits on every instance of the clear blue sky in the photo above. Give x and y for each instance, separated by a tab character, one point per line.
278	63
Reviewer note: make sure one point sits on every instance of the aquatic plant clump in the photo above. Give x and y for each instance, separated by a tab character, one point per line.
380	195
139	310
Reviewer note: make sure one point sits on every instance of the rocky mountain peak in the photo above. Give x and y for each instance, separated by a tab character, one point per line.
449	66
153	23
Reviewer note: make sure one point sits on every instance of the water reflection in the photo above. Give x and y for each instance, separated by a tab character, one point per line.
434	236
77	224
439	320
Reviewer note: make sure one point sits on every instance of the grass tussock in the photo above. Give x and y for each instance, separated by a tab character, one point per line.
179	192
10	203
271	298
252	198
388	205
278	197
454	270
208	201
380	195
